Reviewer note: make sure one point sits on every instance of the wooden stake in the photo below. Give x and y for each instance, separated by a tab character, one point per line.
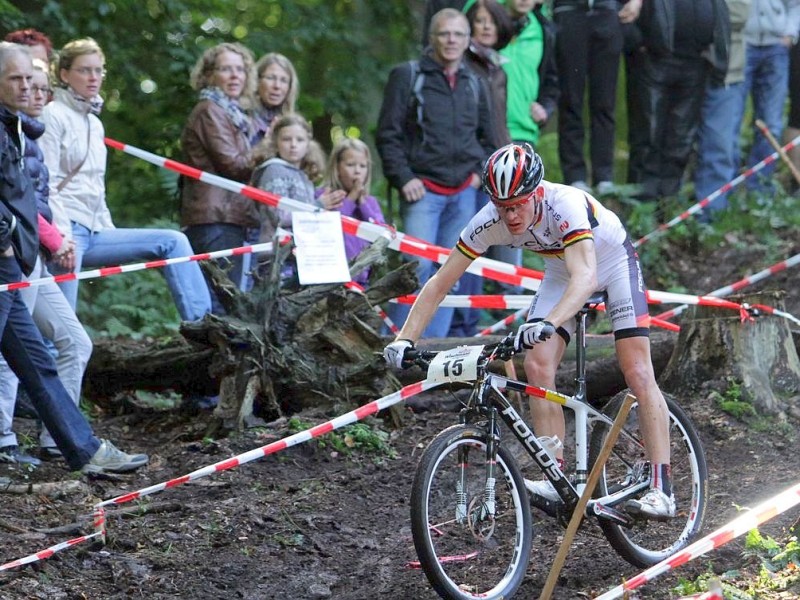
781	152
577	516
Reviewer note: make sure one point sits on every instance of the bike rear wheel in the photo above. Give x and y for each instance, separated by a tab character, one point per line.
648	541
464	552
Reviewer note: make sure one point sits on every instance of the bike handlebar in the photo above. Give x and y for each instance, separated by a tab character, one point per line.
502	350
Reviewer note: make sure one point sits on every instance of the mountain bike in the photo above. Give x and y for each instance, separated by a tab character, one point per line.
470	510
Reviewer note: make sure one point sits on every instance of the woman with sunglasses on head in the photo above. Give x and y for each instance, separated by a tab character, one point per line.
75	154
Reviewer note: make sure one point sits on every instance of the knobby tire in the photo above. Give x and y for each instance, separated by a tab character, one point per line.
473	558
648	541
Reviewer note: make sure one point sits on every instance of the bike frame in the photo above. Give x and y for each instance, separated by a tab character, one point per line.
489	401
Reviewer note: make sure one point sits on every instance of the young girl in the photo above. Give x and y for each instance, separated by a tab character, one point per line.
350	171
289	161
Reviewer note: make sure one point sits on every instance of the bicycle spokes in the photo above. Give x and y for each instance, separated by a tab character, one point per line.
471	540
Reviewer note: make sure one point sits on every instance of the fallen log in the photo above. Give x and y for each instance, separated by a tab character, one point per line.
279	349
603	375
51	489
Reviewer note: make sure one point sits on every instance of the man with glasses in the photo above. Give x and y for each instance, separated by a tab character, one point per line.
434	131
585	249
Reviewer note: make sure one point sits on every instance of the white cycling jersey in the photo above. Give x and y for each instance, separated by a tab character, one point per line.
566	215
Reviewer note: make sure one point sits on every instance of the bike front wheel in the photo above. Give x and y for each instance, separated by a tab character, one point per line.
648	542
469	544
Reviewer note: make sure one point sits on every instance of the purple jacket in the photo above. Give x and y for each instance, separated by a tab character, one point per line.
370	211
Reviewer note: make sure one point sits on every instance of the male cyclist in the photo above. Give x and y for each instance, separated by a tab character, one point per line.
585	249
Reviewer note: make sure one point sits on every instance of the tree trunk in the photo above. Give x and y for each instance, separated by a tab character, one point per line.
278	349
715	349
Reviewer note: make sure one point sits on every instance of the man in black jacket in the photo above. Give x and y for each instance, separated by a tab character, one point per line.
20	341
434	131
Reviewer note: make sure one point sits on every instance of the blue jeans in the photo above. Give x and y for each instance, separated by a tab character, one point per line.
439	220
119	246
222	236
26	354
716	139
56	321
766	78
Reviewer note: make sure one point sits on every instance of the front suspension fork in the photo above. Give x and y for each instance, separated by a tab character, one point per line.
486	510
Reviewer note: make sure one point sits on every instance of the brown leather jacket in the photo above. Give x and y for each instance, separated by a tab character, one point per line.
211	143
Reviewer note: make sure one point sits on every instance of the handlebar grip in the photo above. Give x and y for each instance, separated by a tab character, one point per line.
548	331
409	358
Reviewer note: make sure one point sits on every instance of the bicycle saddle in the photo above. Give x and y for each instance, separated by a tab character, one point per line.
595	299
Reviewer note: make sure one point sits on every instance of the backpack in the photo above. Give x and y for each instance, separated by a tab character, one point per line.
416	101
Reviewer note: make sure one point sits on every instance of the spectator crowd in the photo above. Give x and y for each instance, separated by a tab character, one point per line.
491	72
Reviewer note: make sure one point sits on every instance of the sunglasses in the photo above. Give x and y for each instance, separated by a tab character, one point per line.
517	202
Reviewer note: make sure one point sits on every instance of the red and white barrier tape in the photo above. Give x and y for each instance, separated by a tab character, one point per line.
100	532
492	269
293	440
744	309
653	297
475	301
504	324
352	285
740	525
742	283
710	595
153	264
717	193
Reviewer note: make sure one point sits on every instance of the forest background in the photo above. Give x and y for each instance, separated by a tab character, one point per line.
343	51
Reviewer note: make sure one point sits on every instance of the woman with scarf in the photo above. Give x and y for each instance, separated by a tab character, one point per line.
75	155
216	139
277	91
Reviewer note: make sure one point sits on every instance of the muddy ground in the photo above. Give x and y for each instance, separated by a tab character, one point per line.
312	523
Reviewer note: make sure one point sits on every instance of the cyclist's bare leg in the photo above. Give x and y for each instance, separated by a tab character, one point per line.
634	359
541	363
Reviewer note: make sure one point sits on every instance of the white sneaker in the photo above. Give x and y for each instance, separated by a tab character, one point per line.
582	186
542	488
606	187
655	505
110	459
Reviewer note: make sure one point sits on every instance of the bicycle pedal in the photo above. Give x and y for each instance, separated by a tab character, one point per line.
611	514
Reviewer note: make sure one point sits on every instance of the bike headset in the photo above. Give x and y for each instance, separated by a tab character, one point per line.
511	174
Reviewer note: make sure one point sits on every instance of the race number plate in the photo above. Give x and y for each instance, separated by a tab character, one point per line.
457	364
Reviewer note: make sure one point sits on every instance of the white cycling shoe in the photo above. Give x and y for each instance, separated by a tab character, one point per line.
655	505
542	488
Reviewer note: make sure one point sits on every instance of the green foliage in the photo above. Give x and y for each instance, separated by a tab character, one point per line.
733	403
687	587
157	401
776	573
342	49
136	305
359	438
779	564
